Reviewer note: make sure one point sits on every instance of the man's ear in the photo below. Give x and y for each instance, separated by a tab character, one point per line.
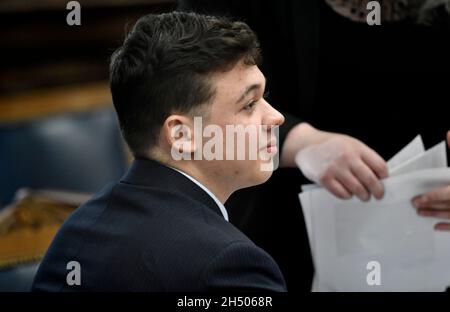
178	132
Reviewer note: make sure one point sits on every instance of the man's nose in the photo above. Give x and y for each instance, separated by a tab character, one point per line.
273	117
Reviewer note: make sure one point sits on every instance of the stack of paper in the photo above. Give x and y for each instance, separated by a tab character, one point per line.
348	236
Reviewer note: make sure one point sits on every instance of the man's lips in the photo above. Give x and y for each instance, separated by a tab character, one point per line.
271	147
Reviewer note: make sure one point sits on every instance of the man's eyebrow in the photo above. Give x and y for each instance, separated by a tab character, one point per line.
248	90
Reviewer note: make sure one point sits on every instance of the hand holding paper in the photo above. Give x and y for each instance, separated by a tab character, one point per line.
345	166
347	235
436	203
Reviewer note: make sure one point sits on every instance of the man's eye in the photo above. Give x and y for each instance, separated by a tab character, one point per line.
249	106
252	104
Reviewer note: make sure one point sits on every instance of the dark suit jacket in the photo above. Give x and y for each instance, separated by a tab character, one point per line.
155	230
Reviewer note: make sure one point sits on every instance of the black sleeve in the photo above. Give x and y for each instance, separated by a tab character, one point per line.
243	267
290	121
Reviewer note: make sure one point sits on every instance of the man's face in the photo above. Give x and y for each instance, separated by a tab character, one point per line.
239	105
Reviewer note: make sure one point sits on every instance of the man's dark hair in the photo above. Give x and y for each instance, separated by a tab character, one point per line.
163	67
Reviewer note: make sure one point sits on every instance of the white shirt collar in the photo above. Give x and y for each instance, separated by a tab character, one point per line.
221	206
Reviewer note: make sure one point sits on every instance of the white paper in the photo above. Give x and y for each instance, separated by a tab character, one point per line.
413	149
345	235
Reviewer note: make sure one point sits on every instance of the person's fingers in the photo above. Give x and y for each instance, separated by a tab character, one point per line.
375	162
417	201
337	189
368	178
442	227
351	183
448	138
435	213
441	194
445	205
437	196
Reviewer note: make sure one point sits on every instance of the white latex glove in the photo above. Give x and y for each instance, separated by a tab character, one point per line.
345	166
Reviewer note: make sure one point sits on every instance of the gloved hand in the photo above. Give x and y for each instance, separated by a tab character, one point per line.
345	166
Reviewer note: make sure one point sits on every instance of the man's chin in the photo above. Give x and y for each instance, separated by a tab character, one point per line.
261	176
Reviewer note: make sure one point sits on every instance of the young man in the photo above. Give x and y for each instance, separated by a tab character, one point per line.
163	227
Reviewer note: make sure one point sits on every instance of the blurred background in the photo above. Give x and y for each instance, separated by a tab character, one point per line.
59	139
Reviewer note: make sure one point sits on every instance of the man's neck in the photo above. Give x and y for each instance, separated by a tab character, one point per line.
216	185
213	184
